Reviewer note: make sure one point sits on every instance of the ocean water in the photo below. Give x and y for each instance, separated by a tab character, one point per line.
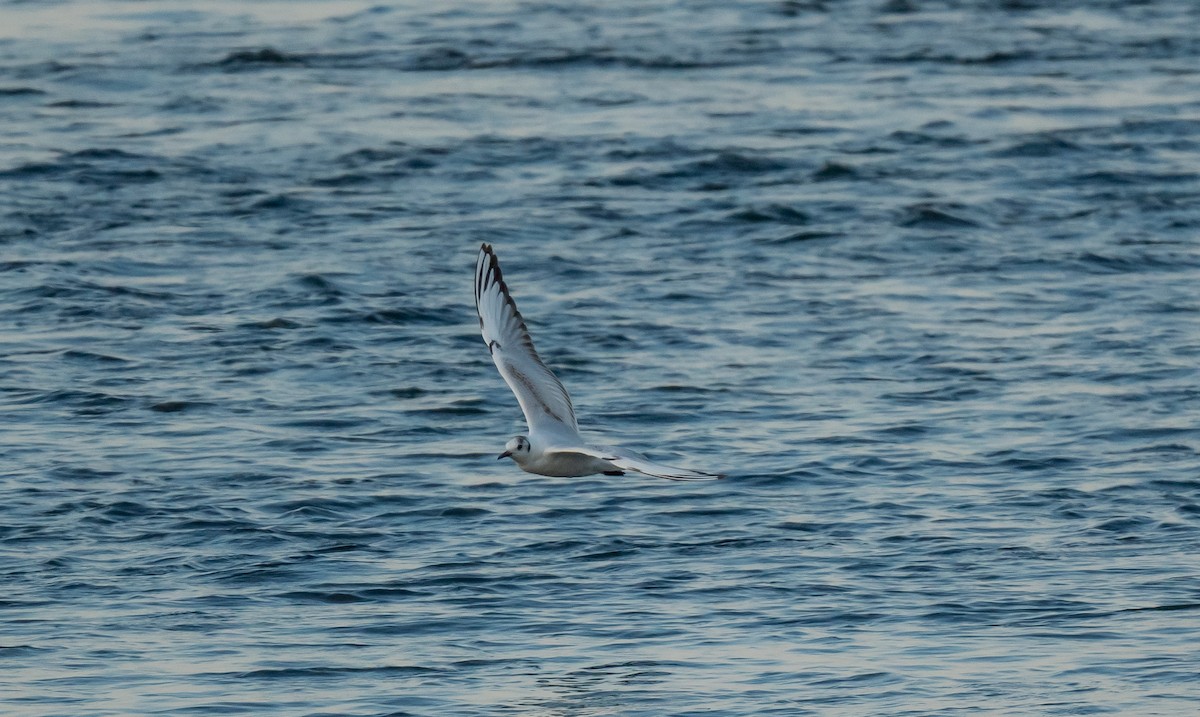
921	276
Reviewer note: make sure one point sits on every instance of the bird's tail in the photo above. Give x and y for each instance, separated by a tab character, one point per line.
641	464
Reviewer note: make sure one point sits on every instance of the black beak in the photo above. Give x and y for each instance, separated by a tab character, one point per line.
505	454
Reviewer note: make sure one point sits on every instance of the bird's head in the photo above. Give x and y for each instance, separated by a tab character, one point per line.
516	449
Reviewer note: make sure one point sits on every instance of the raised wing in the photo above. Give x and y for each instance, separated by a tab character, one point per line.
543	399
628	460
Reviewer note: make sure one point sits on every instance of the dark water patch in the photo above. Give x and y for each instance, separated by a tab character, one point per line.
1189	510
1133	262
773	213
1118	178
835	171
911	138
949	393
1190	607
452	58
319	673
911	430
440	59
325	507
1025	462
344	180
1041	145
23	651
390	594
795	476
664	148
265	56
965	57
872	678
328	598
464	408
399	153
82	403
188	104
77	473
40	68
90	357
731	162
832	529
32	170
79	104
550	547
103	153
568	513
93	167
127	509
798	238
319	284
1149	433
1161	127
613	98
280	203
275	323
464	512
1132	524
20	92
692	390
324	424
415	315
930	216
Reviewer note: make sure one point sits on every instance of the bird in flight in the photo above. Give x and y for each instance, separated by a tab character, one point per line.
553	446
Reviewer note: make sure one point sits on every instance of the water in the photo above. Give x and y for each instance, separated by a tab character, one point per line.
921	276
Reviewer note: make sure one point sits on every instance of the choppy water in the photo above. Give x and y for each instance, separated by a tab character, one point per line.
922	276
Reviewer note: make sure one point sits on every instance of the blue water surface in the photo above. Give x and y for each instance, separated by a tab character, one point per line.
920	275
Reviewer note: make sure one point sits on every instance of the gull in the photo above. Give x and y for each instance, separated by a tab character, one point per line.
554	446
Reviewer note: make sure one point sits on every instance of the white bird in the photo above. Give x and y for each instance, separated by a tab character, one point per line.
554	446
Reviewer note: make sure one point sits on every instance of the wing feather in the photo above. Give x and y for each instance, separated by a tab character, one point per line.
543	399
628	460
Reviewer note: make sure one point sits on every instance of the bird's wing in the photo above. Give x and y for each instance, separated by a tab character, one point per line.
543	399
628	460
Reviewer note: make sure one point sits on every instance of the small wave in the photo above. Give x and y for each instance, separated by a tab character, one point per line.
773	213
930	216
1043	145
835	171
239	59
447	58
737	162
20	92
329	672
92	357
414	315
328	598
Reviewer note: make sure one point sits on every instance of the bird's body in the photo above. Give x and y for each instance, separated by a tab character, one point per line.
566	464
554	446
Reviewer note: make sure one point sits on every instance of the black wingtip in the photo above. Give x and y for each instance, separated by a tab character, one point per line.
492	264
484	267
490	273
